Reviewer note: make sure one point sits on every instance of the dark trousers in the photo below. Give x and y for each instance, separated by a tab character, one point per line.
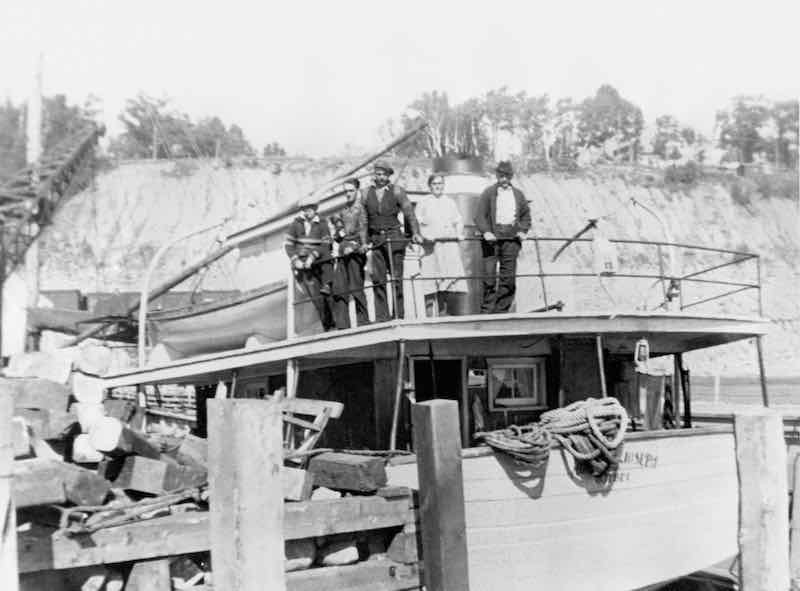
499	288
316	284
348	280
385	260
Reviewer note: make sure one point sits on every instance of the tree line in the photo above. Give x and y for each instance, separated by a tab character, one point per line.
152	128
548	131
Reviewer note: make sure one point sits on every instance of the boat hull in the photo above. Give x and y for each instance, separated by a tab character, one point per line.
669	510
228	324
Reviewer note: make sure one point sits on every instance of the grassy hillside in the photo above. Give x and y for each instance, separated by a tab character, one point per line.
104	238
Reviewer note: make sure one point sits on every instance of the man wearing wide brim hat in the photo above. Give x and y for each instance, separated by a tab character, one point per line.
503	219
308	245
383	201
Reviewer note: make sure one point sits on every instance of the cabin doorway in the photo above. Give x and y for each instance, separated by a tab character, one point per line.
444	378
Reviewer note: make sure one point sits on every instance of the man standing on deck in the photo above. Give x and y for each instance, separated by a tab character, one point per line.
383	202
308	245
350	239
503	218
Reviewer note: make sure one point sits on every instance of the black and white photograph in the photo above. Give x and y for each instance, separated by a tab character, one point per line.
410	296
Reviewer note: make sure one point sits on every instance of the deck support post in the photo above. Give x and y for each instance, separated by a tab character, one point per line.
398	393
9	575
763	502
441	495
245	456
601	366
761	373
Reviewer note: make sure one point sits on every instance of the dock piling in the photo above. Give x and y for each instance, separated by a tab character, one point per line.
9	575
763	502
246	497
437	442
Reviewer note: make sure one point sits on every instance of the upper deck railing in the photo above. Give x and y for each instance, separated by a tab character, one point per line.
562	273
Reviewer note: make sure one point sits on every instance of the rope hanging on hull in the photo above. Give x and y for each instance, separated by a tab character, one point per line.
590	430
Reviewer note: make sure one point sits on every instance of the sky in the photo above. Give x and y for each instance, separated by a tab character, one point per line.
319	76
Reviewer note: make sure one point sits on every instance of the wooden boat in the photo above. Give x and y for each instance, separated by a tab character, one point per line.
228	323
669	508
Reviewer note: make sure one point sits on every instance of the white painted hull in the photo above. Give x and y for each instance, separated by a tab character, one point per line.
226	325
672	510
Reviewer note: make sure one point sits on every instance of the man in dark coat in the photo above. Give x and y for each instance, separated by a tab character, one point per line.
383	202
503	218
308	245
350	239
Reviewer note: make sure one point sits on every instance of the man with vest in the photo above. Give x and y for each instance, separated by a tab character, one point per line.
308	245
383	201
349	242
503	218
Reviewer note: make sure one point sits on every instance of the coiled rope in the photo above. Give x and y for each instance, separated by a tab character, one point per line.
590	430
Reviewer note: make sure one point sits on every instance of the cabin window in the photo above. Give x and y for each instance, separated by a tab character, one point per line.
516	383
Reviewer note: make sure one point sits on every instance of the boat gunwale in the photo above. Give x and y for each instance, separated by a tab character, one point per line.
480	451
193	310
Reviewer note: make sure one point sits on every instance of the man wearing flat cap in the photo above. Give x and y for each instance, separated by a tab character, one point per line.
383	201
308	246
503	218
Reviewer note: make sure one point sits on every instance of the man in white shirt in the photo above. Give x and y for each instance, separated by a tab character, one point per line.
503	218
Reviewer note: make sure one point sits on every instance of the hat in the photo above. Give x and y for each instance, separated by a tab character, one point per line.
384	166
504	167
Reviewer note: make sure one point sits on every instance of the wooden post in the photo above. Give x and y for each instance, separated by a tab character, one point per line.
441	495
246	496
9	575
794	538
763	502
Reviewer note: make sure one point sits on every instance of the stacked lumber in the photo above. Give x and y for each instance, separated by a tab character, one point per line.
97	483
83	463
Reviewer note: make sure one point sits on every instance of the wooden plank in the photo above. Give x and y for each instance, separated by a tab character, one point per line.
43	481
763	502
112	437
20	439
332	516
794	539
341	471
246	508
297	483
9	577
48	423
157	477
42	549
441	497
150	575
193	449
373	575
309	406
36	393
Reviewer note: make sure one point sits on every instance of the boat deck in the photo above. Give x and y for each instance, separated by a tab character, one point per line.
668	332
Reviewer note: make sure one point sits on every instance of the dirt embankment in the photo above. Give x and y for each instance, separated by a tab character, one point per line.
104	238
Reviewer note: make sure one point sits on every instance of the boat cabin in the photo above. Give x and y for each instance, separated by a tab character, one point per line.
587	322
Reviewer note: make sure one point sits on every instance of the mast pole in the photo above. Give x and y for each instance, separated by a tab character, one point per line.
33	154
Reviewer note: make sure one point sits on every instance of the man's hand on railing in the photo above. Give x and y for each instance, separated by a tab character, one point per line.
521	236
489	237
417	239
297	264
